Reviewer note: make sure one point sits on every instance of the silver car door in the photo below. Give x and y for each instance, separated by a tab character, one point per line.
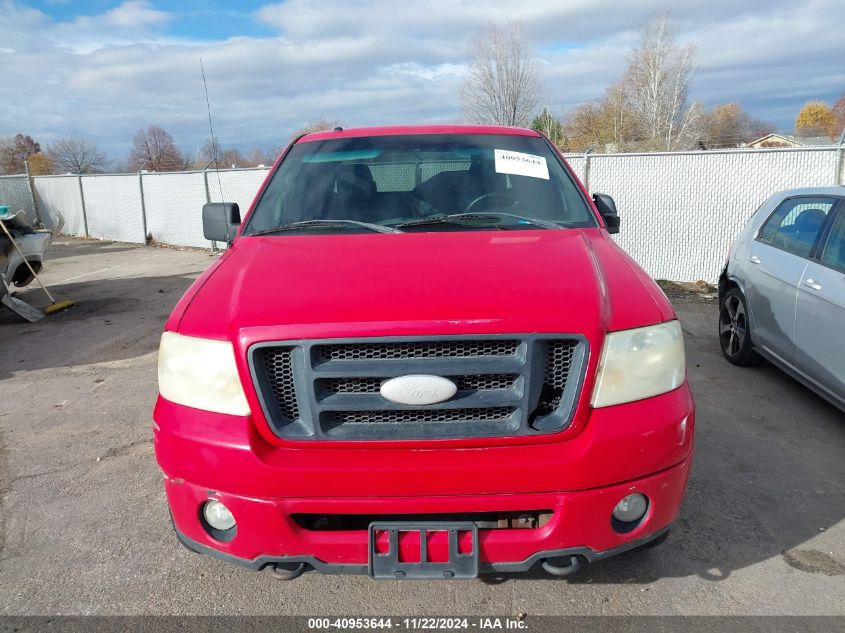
820	314
777	258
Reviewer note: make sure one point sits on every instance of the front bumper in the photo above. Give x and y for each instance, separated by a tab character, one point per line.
643	446
347	568
580	525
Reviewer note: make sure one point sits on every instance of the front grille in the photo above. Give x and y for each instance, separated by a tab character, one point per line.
423	349
463	383
559	356
416	416
278	367
506	386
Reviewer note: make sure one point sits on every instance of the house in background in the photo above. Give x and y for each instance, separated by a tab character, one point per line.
790	140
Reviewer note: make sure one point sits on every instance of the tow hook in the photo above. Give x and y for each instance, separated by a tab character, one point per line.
562	570
287	571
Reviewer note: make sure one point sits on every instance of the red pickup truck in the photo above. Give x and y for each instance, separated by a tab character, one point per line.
422	356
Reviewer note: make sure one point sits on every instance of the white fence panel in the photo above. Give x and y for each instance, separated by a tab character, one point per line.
113	207
238	185
577	162
56	195
173	203
680	212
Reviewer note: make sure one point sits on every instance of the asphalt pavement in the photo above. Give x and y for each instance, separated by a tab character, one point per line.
84	527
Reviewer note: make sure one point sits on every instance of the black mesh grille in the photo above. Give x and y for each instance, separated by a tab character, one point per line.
559	355
417	416
423	349
327	390
277	363
464	383
485	382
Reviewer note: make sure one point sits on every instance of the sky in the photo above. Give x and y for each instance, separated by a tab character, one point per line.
102	70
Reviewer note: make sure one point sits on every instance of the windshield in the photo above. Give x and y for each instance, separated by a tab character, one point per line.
420	182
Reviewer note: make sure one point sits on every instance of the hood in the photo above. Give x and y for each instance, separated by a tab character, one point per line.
479	282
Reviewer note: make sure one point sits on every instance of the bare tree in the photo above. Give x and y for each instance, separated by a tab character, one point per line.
76	156
210	152
231	158
153	149
213	153
657	87
256	157
503	87
316	125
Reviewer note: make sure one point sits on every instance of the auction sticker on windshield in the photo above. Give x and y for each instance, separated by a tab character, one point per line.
520	164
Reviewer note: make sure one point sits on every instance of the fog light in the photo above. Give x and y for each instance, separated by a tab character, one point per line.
218	516
630	508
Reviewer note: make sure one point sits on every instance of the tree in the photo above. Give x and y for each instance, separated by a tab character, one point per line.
814	119
153	149
550	125
256	157
608	124
40	164
76	156
586	127
656	88
15	151
503	87
728	125
231	158
315	125
837	111
209	152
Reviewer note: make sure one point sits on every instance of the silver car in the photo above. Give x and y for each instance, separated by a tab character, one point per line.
782	292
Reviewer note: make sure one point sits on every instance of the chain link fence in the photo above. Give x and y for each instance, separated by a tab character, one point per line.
680	210
16	194
164	207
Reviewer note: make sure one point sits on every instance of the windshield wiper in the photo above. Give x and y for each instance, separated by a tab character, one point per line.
461	218
304	224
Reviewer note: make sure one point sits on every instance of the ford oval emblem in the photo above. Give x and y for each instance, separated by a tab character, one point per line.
418	389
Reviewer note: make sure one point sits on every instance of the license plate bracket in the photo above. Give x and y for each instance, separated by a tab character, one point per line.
387	564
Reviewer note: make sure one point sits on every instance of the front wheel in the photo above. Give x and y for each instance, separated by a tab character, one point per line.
734	330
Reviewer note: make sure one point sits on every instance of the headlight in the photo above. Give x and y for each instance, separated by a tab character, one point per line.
640	363
200	373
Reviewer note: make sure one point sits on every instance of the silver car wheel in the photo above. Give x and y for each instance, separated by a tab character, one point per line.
733	325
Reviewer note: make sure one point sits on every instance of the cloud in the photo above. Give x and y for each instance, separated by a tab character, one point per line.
131	14
105	76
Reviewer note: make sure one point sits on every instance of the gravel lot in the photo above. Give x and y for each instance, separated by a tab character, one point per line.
84	526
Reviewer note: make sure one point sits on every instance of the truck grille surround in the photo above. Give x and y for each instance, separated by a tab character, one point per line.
508	385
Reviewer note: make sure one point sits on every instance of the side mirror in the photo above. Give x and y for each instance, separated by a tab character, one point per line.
220	221
607	209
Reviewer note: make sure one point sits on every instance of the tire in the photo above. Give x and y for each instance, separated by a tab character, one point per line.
734	333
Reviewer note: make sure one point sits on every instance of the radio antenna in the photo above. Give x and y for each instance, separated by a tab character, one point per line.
214	145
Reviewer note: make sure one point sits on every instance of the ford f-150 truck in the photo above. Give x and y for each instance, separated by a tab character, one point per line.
422	356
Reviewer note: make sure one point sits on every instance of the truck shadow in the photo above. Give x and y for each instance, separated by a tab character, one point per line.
112	320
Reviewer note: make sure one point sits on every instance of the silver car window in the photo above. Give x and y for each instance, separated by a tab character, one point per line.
795	225
834	250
